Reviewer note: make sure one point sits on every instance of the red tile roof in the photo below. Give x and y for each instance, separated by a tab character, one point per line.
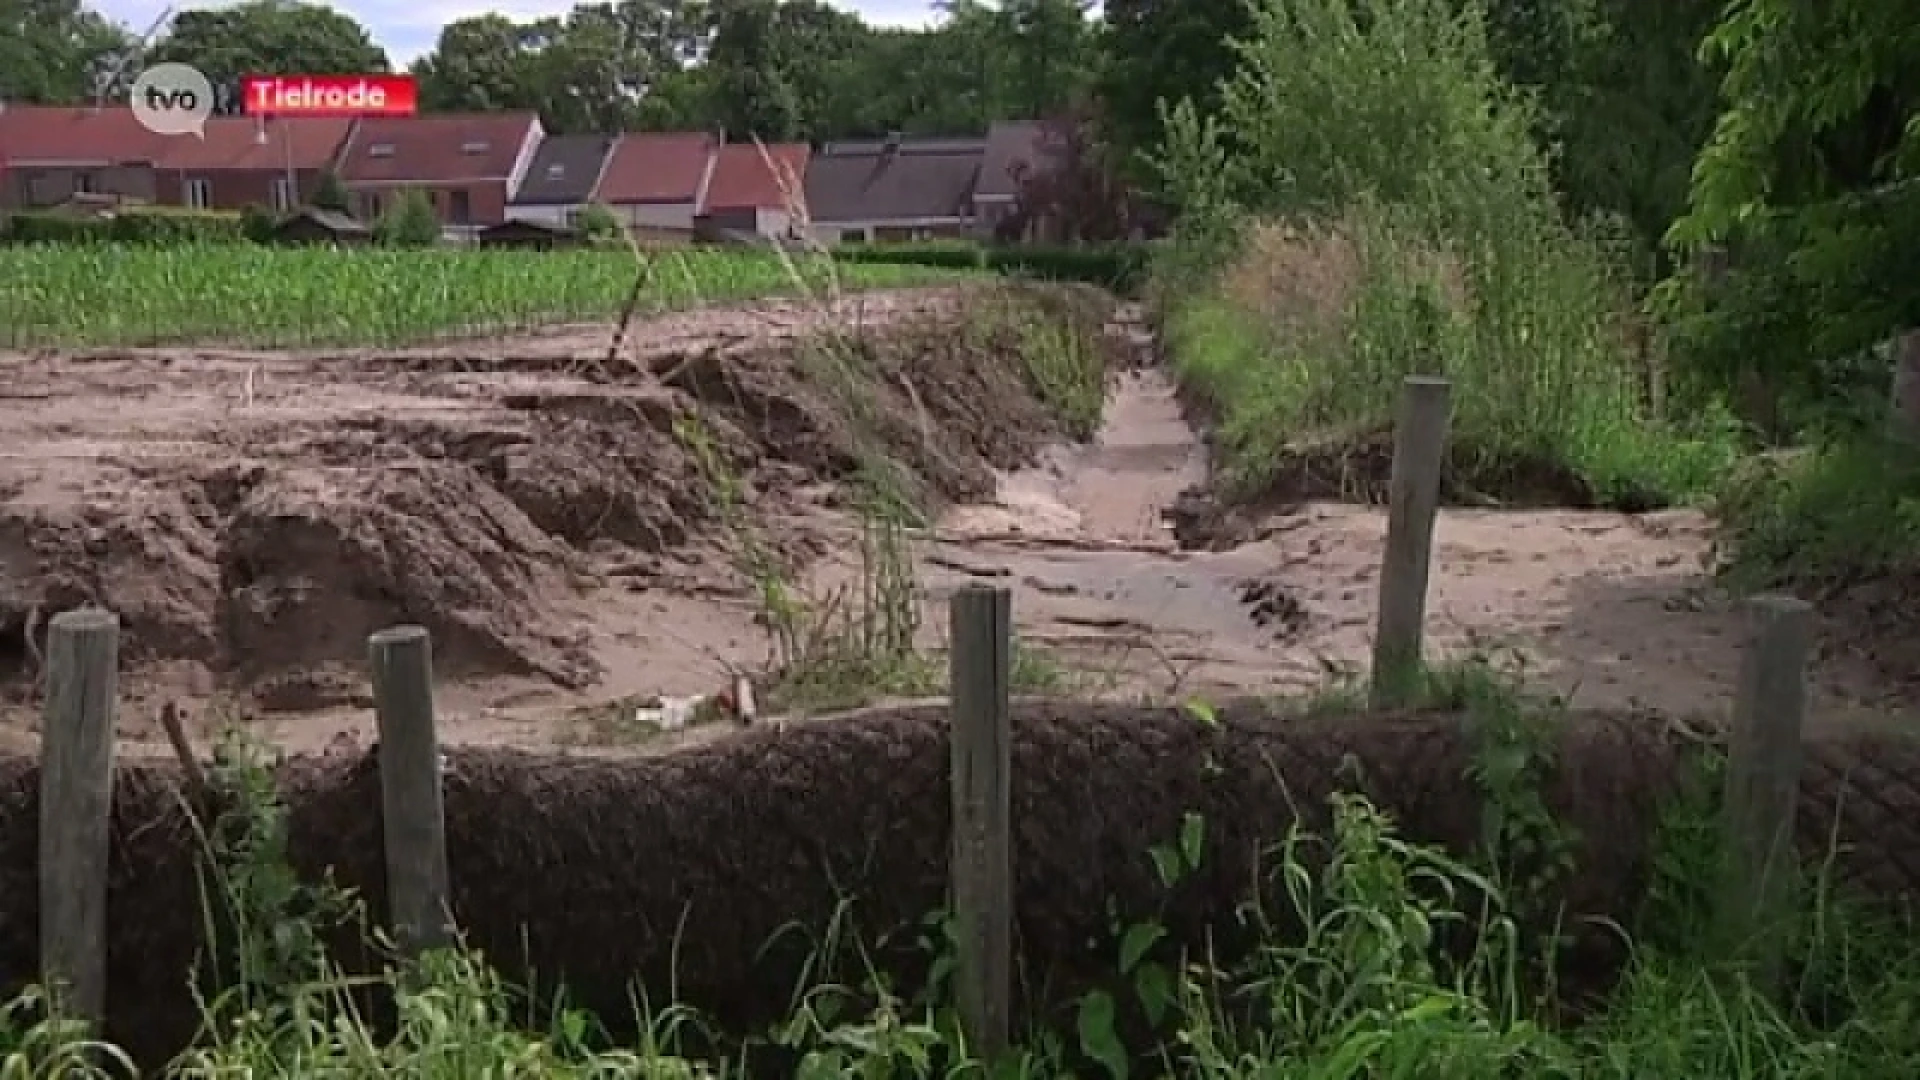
235	142
435	148
656	168
80	135
744	177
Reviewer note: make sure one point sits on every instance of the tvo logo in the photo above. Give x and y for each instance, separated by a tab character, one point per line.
172	99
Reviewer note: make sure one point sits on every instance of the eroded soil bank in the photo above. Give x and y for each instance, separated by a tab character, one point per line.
555	516
554	519
1127	571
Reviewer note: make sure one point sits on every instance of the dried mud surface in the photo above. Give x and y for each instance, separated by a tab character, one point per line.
253	516
1611	610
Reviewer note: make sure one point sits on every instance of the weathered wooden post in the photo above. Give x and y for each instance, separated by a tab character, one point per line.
76	808
981	738
415	833
1419	452
1763	780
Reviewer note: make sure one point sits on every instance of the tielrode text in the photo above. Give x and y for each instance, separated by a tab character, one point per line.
330	95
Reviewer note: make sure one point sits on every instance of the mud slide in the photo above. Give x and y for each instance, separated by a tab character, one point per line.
1615	611
554	522
552	517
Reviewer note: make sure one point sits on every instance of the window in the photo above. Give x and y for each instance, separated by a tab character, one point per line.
282	195
380	149
83	183
556	170
478	146
459	207
370	205
199	193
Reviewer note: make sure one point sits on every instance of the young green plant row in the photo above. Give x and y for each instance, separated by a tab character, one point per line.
52	296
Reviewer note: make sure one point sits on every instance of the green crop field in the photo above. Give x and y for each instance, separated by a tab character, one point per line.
289	297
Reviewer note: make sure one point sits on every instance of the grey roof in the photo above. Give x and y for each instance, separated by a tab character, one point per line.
1008	145
564	170
923	144
332	220
920	179
505	228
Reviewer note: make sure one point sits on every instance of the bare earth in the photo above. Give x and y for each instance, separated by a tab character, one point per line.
252	512
1610	610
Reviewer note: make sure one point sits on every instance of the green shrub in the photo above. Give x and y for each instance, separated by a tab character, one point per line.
147	226
1409	227
1121	268
599	223
1825	517
331	194
409	222
257	222
946	254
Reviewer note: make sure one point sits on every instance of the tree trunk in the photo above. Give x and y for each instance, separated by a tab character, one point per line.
1906	386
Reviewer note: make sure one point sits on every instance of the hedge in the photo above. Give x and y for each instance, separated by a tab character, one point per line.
1121	267
156	226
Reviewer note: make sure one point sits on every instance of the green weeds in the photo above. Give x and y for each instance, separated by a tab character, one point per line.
836	645
1828	517
1374	956
1395	219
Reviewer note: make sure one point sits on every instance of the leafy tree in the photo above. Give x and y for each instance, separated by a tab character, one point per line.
1051	54
593	70
268	37
1160	53
1811	184
1072	191
478	65
782	67
52	52
1633	109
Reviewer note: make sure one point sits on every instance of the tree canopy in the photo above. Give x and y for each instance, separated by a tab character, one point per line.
267	37
53	51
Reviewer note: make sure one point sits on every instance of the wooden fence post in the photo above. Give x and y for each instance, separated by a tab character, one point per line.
76	807
1763	779
416	838
1419	451
982	870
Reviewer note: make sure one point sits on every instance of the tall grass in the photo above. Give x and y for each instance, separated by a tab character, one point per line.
1399	220
288	297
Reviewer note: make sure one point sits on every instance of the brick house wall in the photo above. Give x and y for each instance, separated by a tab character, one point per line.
485	201
28	186
236	189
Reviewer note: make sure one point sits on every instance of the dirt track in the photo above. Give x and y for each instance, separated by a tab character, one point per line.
1614	611
254	515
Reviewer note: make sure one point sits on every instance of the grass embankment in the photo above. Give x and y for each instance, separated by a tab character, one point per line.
1394	218
92	295
1370	983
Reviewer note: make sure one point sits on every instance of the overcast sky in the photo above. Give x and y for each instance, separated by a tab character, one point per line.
407	28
